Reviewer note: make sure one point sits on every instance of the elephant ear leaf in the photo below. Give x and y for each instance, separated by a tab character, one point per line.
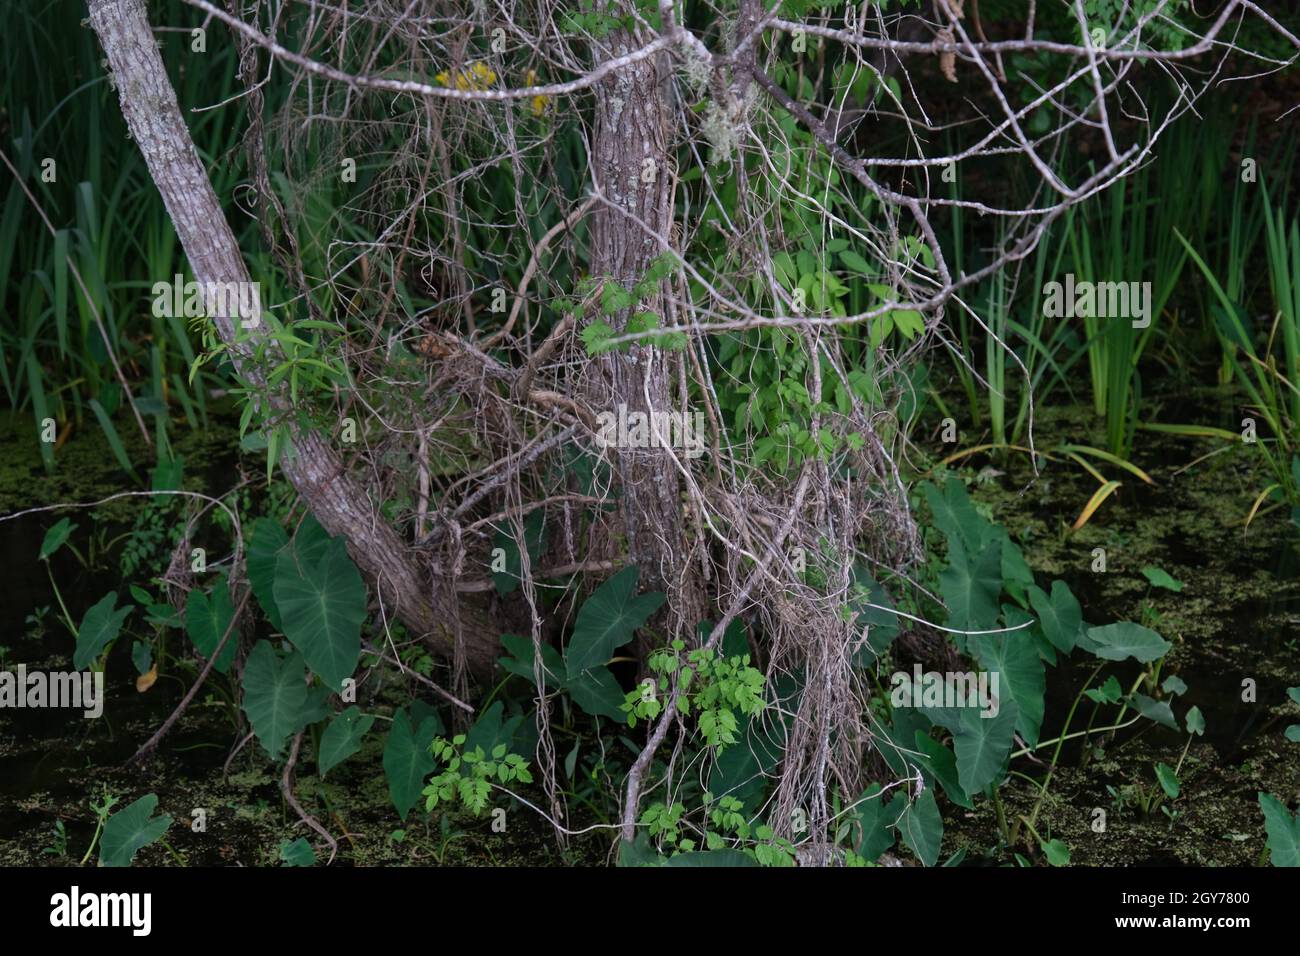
322	602
130	829
1283	831
407	759
1115	642
970	586
277	699
98	629
982	745
342	738
206	621
1059	615
921	827
264	547
607	621
56	537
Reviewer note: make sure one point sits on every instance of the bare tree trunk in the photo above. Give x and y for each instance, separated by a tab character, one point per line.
154	119
634	172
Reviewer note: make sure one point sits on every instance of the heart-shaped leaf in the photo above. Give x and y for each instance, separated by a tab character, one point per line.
206	621
1059	615
880	623
407	760
1283	831
277	699
982	745
921	827
955	515
877	823
970	586
607	621
55	537
1126	639
342	738
130	829
1157	710
1020	676
1057	853
1169	781
520	661
322	604
98	629
297	853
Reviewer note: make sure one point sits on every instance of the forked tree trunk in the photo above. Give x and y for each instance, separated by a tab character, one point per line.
154	119
634	172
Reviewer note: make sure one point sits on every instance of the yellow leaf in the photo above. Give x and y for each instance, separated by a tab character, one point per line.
145	681
538	102
1094	503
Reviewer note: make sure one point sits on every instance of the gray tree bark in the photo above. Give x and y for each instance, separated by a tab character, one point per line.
154	119
634	171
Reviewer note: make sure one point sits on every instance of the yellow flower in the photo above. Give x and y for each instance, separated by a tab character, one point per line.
476	77
538	102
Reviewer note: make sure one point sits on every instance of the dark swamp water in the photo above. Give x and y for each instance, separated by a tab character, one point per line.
1237	618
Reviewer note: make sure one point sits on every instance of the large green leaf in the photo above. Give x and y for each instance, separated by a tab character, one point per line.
297	853
264	546
322	604
56	537
521	659
597	692
970	586
277	699
98	629
942	764
130	829
881	625
743	771
955	515
874	816
493	727
507	580
982	745
1126	639
1021	679
342	738
1017	576
1157	710
407	760
1283	831
607	621
921	827
1059	615
206	620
